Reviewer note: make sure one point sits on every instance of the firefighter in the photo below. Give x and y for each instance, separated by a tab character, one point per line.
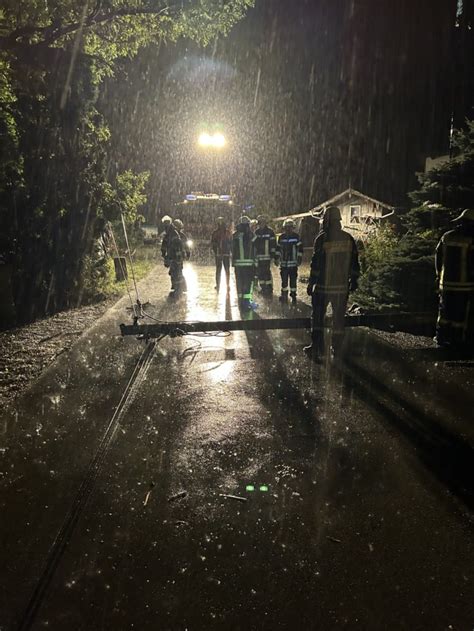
265	251
455	276
221	244
172	252
166	221
334	272
243	261
289	255
178	224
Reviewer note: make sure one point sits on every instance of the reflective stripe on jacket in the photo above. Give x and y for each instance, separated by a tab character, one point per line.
455	261
242	248
264	241
335	262
289	250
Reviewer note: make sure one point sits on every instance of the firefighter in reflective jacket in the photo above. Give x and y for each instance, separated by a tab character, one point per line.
334	272
264	241
455	275
243	261
289	255
173	254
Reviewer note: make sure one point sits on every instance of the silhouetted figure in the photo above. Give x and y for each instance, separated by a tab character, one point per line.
455	275
221	244
172	252
334	272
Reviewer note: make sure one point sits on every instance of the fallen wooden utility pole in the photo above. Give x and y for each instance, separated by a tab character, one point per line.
173	329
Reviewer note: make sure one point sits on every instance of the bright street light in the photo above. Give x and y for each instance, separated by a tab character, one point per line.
217	140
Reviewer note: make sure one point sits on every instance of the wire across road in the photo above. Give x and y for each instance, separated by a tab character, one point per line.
86	487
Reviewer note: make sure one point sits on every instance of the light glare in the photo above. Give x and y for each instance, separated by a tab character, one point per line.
216	140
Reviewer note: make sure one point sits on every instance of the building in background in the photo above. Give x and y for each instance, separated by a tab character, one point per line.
360	213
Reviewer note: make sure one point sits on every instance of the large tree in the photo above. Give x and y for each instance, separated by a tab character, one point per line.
54	189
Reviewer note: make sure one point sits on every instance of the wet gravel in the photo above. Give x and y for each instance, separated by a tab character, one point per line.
25	352
404	340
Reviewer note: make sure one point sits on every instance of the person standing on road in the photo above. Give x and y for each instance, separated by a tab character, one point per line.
455	276
172	252
289	255
243	261
265	251
166	221
178	224
221	244
334	272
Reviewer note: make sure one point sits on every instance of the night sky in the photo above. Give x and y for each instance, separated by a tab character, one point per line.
313	96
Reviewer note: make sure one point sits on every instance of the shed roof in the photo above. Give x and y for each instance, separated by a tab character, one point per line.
317	210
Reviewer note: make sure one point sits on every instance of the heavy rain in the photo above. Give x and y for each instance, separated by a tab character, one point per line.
236	314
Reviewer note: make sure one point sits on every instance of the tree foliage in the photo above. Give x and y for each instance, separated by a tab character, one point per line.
447	188
107	29
56	190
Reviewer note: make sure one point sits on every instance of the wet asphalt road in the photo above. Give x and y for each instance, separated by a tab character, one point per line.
125	522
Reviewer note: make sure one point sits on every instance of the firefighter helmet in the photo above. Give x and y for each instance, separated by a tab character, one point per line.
167	219
466	215
244	219
178	224
332	213
262	219
220	220
289	223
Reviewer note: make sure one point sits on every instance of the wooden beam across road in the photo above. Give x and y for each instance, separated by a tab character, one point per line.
383	320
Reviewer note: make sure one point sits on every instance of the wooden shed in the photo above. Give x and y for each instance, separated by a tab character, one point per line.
361	214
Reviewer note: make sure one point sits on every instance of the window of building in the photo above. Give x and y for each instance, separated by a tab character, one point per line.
355	214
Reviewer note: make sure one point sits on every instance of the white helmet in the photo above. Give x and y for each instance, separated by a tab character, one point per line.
244	219
289	222
178	224
167	219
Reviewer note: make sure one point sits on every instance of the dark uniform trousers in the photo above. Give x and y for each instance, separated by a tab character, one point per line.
176	274
264	275
222	261
289	274
244	277
455	318
320	301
